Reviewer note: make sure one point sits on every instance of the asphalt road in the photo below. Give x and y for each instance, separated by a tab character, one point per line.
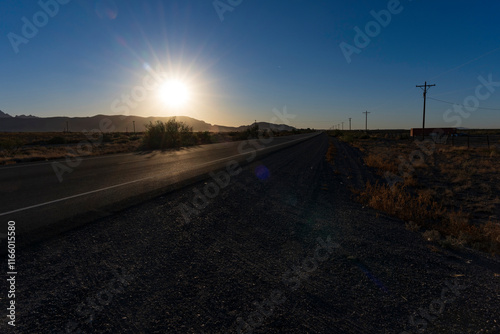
49	197
280	248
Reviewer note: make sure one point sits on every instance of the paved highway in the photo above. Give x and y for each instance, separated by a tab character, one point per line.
44	198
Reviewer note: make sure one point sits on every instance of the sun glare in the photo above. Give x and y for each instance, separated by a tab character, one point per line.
174	93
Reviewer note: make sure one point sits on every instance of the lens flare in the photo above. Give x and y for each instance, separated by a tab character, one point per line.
262	172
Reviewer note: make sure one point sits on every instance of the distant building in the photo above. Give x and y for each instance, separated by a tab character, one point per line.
428	131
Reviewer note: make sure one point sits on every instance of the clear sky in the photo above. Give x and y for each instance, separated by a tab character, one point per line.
85	57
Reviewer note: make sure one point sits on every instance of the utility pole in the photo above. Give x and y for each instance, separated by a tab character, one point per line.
366	120
342	126
349	124
133	122
424	88
67	126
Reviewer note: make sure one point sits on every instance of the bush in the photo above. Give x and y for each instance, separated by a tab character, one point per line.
171	134
107	138
204	137
10	145
56	141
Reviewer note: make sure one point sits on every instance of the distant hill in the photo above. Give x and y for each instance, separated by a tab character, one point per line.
4	115
30	123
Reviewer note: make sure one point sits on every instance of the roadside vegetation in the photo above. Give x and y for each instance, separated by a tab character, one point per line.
40	146
448	193
18	147
170	134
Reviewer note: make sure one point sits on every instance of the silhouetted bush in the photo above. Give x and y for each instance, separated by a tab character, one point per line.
10	145
204	137
58	140
251	133
107	138
170	134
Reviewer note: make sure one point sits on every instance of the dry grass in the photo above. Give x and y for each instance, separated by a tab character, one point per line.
397	201
423	210
36	146
332	151
453	190
382	162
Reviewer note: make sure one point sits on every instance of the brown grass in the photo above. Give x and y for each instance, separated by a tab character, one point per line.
422	210
453	190
397	201
382	160
332	151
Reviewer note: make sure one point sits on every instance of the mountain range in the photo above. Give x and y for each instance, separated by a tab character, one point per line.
23	123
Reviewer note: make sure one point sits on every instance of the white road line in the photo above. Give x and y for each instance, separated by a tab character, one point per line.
74	196
28	164
130	182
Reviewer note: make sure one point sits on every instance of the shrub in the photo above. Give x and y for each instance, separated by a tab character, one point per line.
107	138
432	235
11	146
412	226
397	201
204	137
170	134
58	140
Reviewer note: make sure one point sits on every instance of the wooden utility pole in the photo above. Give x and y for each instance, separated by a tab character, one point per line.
133	122
366	120
424	87
349	124
342	126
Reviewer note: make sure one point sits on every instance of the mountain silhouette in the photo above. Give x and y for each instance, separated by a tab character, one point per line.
117	123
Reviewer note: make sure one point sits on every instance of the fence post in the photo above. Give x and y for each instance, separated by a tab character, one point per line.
468	141
488	139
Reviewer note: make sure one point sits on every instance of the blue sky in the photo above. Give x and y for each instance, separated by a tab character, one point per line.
265	54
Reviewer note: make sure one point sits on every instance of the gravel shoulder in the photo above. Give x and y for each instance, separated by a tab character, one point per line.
282	249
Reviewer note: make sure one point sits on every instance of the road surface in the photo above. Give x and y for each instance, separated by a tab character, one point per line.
50	197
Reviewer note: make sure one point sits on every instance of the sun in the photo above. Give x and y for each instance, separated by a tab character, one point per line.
174	93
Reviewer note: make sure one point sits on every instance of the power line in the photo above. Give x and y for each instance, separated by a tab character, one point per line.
366	119
424	88
466	63
458	104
